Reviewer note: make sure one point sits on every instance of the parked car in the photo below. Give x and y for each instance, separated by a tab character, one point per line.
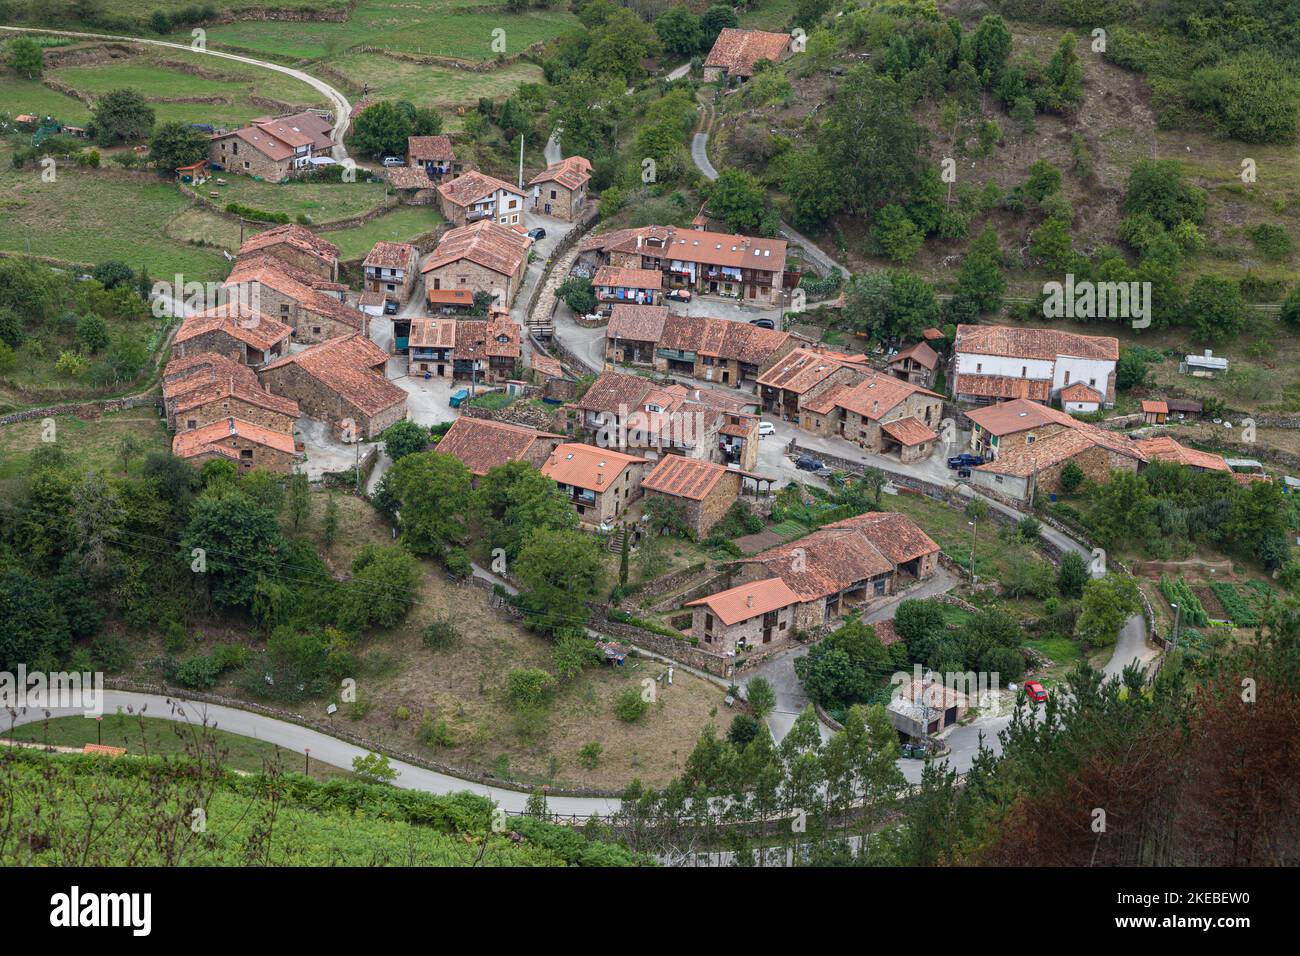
765	429
965	460
808	463
457	397
1035	691
763	323
678	295
391	161
390	307
537	233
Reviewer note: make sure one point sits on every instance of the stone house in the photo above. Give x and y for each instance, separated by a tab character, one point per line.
847	564
923	709
412	185
736	52
273	149
340	382
1011	425
434	155
475	196
633	333
782	385
561	190
390	269
641	286
217	401
234	330
298	247
599	482
1020	473
702	490
915	364
486	350
249	446
630	412
752	615
482	257
994	363
313	314
198	371
430	347
481	444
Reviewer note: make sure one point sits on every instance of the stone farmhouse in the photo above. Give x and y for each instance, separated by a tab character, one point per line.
702	490
234	330
735	53
298	247
712	350
743	267
430	346
249	446
846	565
755	614
915	364
486	350
476	196
199	389
340	381
315	313
482	257
389	269
561	190
275	149
1164	448
614	284
993	363
481	444
599	482
434	155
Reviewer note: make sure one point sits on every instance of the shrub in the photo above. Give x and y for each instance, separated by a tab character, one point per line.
1273	242
441	634
434	733
528	687
589	755
629	705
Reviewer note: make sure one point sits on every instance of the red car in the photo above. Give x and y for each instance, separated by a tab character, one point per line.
1035	691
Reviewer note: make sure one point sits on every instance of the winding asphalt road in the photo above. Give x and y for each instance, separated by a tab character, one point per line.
342	108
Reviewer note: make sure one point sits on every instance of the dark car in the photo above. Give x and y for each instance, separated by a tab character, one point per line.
678	295
808	463
965	460
763	323
390	307
537	233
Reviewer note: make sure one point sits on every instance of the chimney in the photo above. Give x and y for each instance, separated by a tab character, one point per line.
875	408
600	478
1209	353
749	600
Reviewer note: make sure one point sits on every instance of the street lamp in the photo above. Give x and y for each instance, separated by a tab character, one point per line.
1177	615
974	530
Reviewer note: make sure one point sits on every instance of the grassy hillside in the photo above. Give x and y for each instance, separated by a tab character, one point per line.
92	811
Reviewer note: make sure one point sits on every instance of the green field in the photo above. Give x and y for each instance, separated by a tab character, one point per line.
161	76
451	28
92	445
402	225
323	202
87	217
28	11
155	736
29	96
427	85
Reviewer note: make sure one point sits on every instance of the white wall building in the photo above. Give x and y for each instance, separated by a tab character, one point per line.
994	363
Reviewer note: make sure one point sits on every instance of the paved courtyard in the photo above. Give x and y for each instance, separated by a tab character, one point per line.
324	452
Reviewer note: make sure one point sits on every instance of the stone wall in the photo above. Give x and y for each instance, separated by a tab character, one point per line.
79	409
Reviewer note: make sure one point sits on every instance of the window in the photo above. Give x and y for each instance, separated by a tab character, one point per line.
1024	371
1067	376
284	309
246	454
552	193
979	367
315	330
191	424
1092	382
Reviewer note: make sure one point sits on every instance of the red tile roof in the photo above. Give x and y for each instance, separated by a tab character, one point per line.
497	337
300	237
1029	459
430	148
1164	448
1007	418
683	477
748	600
998	386
469	188
409	177
432	333
232	387
628	278
920	353
1155	407
638	323
572	172
184	374
482	445
237	320
586	466
209	438
345	365
736	51
872	397
908	431
391	255
1047	344
491	245
1078	392
803	368
265	272
463	297
693	245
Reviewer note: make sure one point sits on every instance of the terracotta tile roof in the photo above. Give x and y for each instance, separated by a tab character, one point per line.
461	297
265	259
1164	448
482	445
908	431
1078	392
628	278
201	369
491	245
469	188
886	633
429	148
738	341
481	338
409	177
545	366
693	245
683	477
803	368
614	390
1155	407
237	320
299	129
875	395
209	438
920	353
300	237
1007	418
432	333
1047	344
725	401
896	536
586	466
638	323
932	335
572	172
391	255
1029	459
220	389
997	386
346	366
270	274
259	139
736	51
748	600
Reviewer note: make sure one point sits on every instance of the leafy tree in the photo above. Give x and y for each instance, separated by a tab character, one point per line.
573	652
738	199
1051	244
433	494
112	274
174	145
897	235
761	697
1062	88
382	588
679	31
92	333
34	631
980	280
560	572
1072	575
1215	309
630	706
26	58
918	621
1290	312
578	294
404	438
240	542
121	116
374	768
1044	179
892	306
1156	187
329	527
515	498
816	192
1029	577
1121	509
990	46
381	129
845	667
713	21
1107	603
1252	96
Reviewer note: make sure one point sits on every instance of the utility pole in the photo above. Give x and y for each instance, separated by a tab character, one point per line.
1177	614
357	468
521	160
974	533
